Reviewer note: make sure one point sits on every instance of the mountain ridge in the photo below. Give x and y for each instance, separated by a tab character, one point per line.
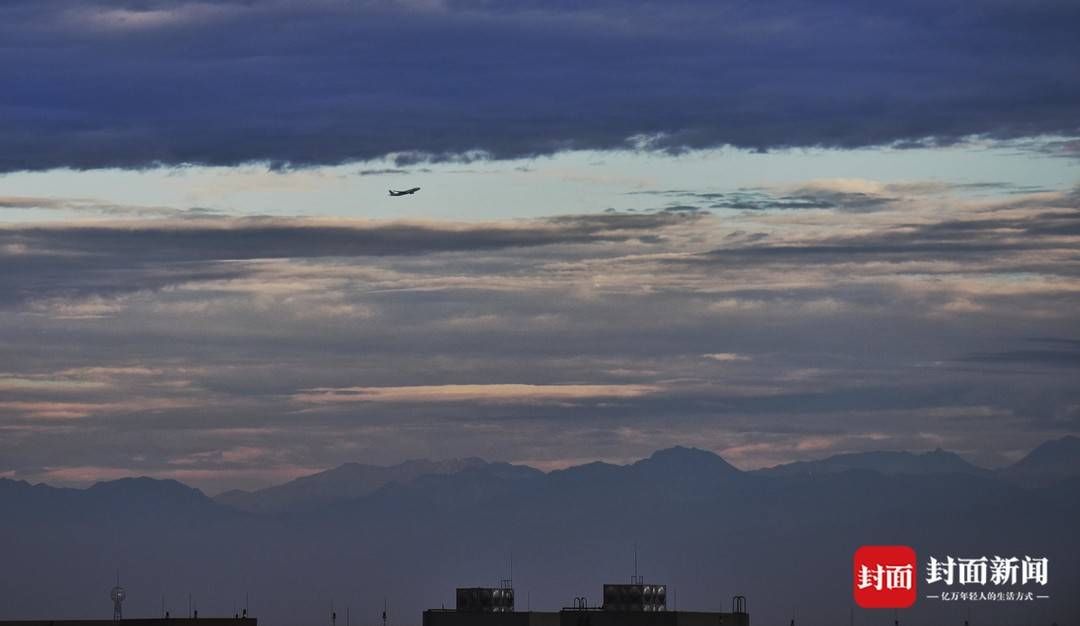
1051	461
886	461
343	482
703	527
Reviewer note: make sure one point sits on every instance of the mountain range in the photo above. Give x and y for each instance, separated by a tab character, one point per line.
1052	461
352	535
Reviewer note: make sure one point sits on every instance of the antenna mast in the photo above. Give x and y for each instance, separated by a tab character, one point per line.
117	594
637	580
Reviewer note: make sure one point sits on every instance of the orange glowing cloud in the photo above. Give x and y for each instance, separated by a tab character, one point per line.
497	394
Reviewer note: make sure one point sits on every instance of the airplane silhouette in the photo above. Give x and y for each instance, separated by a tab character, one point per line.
404	192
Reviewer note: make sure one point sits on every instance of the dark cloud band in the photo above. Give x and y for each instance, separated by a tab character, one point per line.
134	84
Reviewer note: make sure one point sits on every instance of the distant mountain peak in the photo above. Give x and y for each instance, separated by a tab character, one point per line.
134	481
1066	448
680	450
143	484
937	461
1048	462
344	482
693	468
686	456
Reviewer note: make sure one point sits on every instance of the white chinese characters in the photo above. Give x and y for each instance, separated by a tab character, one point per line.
995	570
885	577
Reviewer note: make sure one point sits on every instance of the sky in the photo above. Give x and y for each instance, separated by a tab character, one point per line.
774	230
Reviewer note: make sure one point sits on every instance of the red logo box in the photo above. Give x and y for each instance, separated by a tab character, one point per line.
884	577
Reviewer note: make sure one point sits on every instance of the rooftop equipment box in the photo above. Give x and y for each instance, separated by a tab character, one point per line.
485	599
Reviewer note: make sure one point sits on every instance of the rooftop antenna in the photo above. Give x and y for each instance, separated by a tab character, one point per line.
117	594
508	583
333	614
637	580
385	610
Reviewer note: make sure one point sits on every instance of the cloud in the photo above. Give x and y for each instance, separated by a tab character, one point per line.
726	357
1044	223
11	383
1069	357
251	238
841	195
223	83
164	252
390	170
190	345
497	394
73	410
89	205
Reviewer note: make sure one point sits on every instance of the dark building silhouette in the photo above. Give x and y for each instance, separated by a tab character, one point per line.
637	604
208	621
